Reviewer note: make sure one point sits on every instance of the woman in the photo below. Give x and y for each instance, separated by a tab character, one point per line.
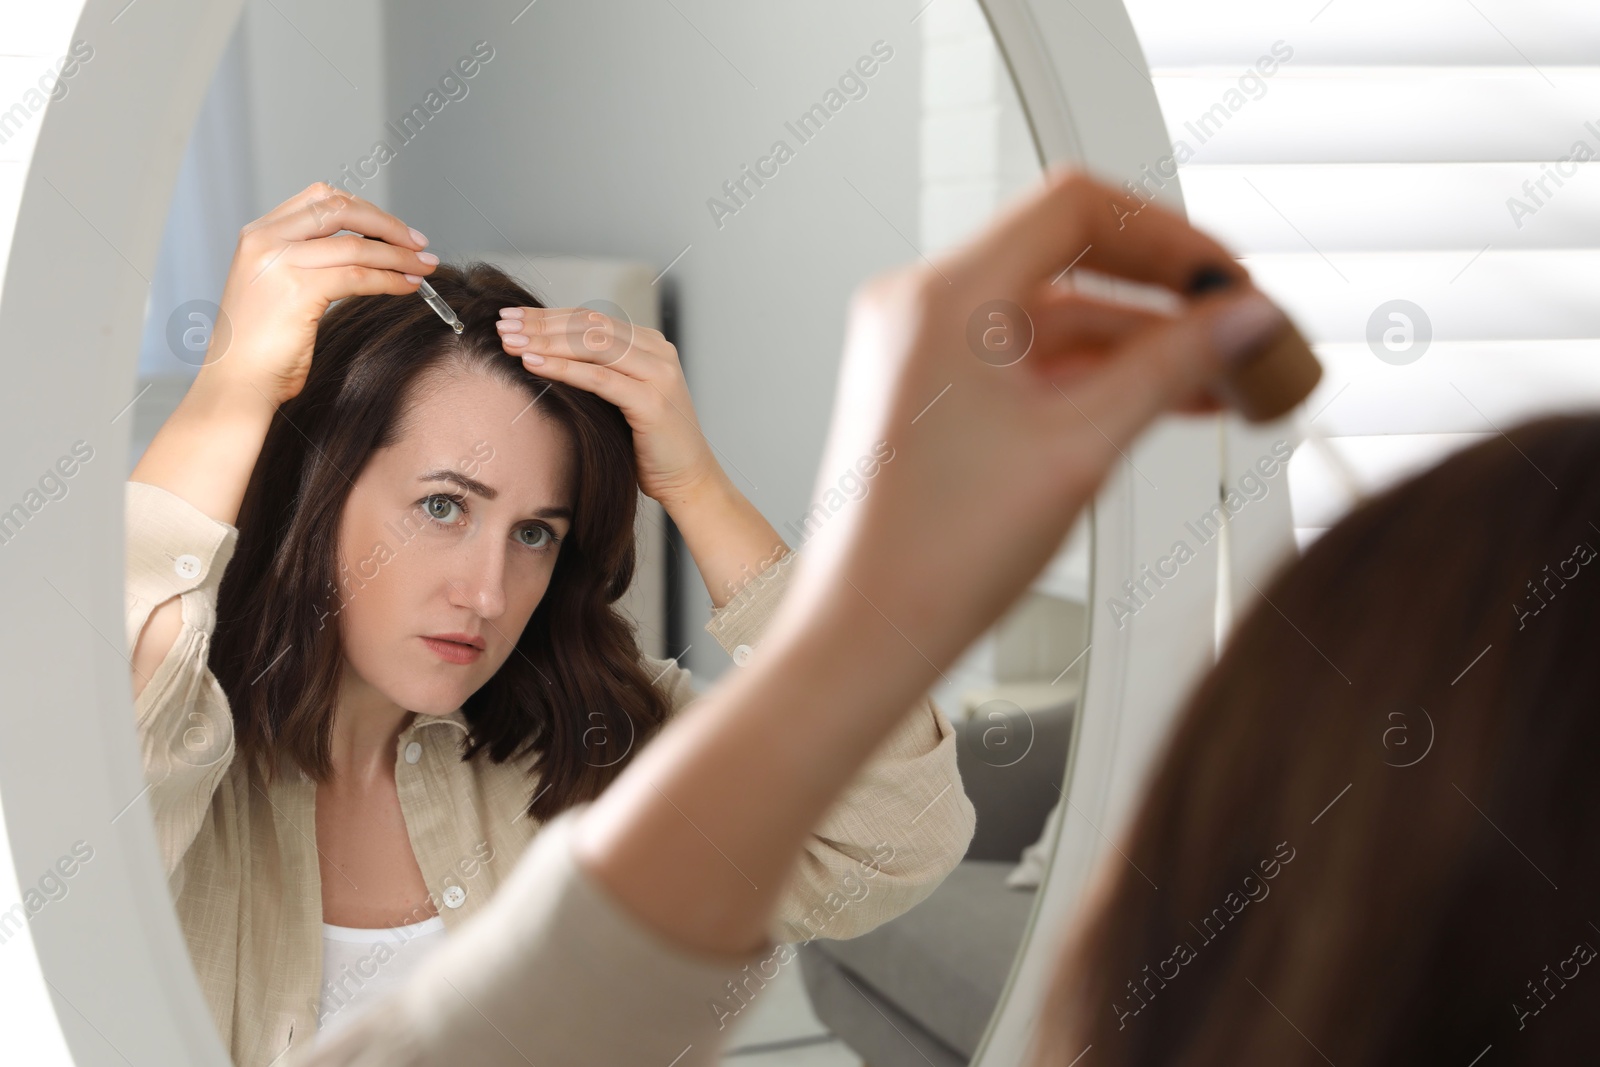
372	569
1374	827
638	921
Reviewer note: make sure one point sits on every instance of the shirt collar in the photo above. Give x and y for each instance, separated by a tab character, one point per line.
456	718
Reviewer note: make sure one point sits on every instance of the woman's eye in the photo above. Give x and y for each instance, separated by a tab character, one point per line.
544	537
438	507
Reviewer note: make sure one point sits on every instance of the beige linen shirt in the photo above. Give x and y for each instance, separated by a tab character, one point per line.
241	857
555	972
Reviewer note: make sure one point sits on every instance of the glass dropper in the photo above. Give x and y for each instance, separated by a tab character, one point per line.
436	302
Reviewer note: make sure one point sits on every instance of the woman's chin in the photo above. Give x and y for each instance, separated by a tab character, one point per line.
433	701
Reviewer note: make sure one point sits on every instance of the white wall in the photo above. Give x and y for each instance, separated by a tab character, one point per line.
977	150
555	149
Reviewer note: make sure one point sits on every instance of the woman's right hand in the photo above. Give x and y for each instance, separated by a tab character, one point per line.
288	267
993	459
286	270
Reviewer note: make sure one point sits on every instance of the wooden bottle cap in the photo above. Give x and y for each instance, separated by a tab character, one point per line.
1276	378
1272	382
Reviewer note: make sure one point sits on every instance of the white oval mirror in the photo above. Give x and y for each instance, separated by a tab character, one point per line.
643	174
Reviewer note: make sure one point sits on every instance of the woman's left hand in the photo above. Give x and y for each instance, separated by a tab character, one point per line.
633	367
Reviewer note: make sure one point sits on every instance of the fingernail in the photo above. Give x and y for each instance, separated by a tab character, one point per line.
511	313
412	278
1241	330
514	339
416	235
532	358
428	257
1209	279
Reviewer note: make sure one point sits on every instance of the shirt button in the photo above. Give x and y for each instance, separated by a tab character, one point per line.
187	566
453	896
413	752
741	654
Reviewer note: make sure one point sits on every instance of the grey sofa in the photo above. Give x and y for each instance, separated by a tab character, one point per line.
919	990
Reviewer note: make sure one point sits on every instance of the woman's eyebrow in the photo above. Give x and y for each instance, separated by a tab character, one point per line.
472	485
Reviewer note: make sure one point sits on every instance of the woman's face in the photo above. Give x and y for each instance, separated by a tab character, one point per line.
452	530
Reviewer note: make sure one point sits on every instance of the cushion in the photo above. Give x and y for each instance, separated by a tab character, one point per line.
945	962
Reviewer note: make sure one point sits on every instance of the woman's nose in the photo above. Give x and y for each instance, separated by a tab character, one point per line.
480	582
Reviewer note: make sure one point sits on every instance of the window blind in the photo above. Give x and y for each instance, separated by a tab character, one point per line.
1419	185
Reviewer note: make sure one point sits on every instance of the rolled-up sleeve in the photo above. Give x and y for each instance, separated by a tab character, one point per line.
894	834
184	725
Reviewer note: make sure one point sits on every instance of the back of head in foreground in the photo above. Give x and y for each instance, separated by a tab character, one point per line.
1372	836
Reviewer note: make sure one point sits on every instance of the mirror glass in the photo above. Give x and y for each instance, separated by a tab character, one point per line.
725	174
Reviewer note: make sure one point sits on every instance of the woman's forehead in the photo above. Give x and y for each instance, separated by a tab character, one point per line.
492	431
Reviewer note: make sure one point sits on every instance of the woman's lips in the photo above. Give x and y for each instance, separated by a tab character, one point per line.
451	651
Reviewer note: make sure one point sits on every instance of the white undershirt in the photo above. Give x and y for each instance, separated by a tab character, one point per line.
359	965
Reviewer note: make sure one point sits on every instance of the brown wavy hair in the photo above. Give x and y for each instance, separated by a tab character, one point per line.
1374	829
576	672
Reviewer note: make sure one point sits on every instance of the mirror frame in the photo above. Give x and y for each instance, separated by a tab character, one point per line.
1084	82
108	979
